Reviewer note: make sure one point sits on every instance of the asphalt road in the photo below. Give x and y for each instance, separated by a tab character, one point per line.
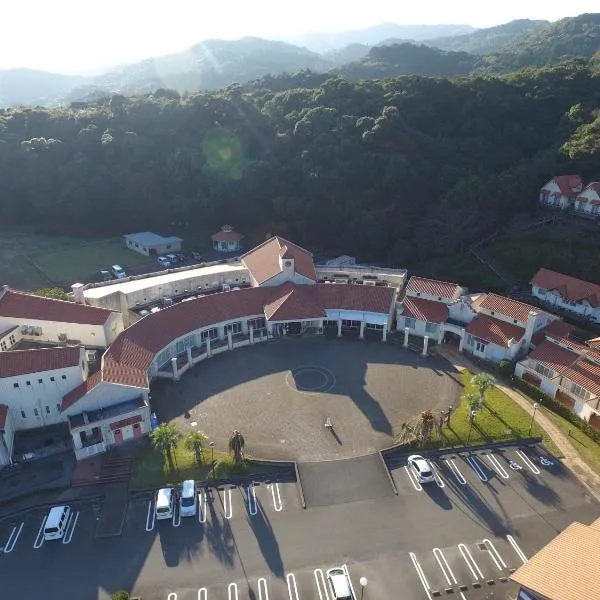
477	522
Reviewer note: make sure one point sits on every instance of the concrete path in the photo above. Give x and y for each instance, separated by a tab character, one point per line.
572	459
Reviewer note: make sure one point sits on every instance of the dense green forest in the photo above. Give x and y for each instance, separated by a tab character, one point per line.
393	170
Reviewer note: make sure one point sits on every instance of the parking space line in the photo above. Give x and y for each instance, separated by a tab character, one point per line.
416	484
251	495
202	594
420	573
39	538
468	558
176	515
201	509
321	585
455	471
516	548
150	516
497	466
472	460
528	462
450	578
70	528
292	587
12	538
345	567
227	506
232	591
277	504
498	560
437	477
262	586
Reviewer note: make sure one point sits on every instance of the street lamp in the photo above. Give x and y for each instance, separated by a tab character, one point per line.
363	584
473	414
535	407
212	457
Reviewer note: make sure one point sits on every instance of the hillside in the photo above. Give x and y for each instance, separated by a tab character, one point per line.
30	87
490	39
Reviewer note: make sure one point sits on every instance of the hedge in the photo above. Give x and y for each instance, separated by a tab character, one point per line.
557	407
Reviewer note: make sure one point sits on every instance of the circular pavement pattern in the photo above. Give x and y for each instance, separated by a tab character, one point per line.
310	379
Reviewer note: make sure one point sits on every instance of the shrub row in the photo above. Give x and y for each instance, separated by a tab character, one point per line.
557	407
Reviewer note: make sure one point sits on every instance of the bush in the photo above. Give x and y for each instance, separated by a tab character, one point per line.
557	407
507	368
120	595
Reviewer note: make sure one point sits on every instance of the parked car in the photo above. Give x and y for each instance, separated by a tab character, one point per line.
180	257
188	499
56	523
338	582
421	468
105	276
164	262
172	258
165	503
118	271
197	256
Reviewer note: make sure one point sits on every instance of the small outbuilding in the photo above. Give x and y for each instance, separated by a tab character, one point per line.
151	244
227	240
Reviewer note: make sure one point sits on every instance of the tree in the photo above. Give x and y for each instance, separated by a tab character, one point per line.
121	595
51	292
473	400
236	446
164	438
483	382
194	442
421	429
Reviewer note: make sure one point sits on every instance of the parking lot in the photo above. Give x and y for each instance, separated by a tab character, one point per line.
486	512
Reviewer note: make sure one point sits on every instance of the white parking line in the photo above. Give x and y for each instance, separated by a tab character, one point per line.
172	596
472	460
321	584
150	516
292	587
497	466
70	529
437	477
251	495
457	474
345	567
528	462
202	594
12	538
446	570
201	509
498	561
176	515
415	483
468	558
263	590
420	573
277	504
232	591
227	505
516	548
39	538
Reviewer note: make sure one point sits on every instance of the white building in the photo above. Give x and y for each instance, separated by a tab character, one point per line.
567	293
560	192
151	244
227	240
43	319
587	203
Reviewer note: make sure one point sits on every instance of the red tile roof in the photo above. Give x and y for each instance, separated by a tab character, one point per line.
22	362
493	330
81	390
127	360
432	287
22	305
425	310
594	342
586	374
264	260
3	415
557	358
125	422
293	303
508	307
566	183
227	234
556	329
568	287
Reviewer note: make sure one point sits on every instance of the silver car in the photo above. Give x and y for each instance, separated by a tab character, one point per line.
421	468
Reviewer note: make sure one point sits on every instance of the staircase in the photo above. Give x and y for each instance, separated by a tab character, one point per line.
102	470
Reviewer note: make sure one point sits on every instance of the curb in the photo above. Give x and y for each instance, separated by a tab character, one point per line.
299	485
387	471
35	507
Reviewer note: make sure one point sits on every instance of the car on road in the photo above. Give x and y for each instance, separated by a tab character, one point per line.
338	582
421	468
118	271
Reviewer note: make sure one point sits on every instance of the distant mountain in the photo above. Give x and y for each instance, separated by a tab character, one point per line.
489	40
371	36
409	59
31	88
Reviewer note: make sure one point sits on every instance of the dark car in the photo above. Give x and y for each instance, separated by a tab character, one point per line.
105	276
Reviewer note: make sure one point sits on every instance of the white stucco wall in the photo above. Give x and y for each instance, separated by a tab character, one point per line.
587	202
103	395
554	299
419	328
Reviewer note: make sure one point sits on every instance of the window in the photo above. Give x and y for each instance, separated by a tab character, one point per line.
257	323
47	410
40	381
51	378
15	385
233	327
28	383
578	390
409	322
12	339
36	412
541	292
543	370
374	326
350	323
63	376
212	333
3	345
431	327
58	407
515	321
23	415
480	346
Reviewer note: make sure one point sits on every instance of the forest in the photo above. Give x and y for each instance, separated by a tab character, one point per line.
392	170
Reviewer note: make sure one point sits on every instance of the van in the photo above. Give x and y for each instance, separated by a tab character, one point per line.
338	580
172	258
165	503
188	501
118	272
164	262
56	522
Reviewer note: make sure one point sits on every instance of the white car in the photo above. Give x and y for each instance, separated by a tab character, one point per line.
421	468
338	582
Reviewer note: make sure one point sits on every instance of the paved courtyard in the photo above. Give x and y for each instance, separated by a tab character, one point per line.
280	394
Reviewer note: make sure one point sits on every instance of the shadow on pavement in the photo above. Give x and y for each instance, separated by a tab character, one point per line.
438	495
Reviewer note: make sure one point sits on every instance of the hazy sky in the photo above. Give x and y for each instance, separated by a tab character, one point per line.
78	35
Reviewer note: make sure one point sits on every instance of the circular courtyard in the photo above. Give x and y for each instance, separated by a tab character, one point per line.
281	394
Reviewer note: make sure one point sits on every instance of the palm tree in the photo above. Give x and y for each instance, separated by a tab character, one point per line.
421	429
164	438
194	442
483	382
236	446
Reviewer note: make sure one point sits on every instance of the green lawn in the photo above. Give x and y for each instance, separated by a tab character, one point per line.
500	420
152	470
